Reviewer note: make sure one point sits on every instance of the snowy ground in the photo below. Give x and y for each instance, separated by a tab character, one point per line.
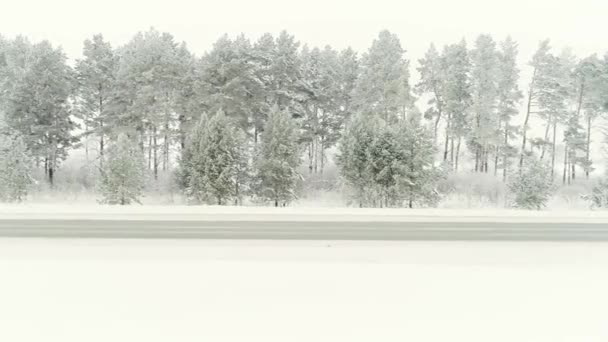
155	290
232	213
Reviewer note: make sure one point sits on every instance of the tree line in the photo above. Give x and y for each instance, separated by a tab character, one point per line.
241	120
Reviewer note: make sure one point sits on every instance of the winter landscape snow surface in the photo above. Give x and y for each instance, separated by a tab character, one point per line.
146	290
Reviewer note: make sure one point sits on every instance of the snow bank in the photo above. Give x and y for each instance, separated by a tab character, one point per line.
232	213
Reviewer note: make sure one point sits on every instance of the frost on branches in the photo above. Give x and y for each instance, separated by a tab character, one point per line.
16	166
214	164
389	166
277	159
123	174
532	187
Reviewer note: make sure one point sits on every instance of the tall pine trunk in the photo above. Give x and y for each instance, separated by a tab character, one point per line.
447	138
452	152
504	155
155	152
565	164
457	154
553	146
101	144
588	147
310	157
526	120
544	148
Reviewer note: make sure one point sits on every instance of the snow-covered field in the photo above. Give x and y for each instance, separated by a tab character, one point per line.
104	290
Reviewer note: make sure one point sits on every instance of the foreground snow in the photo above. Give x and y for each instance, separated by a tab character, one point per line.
232	213
99	291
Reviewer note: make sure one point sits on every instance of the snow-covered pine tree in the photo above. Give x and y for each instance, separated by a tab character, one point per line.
420	175
432	82
229	81
457	100
148	81
590	81
574	147
242	175
323	119
383	87
192	148
16	165
215	161
387	165
558	100
96	74
483	136
509	97
277	159
348	73
353	158
37	101
546	97
123	174
532	187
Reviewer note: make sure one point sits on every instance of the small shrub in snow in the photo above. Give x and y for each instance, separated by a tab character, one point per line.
532	187
599	195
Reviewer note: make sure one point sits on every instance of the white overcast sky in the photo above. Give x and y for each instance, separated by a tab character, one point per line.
340	23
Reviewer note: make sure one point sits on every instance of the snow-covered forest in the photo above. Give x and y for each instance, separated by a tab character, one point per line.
273	121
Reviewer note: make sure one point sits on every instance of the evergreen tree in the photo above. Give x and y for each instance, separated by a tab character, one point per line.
39	85
192	147
322	119
544	95
287	92
353	158
575	143
484	89
16	165
216	161
590	92
147	90
383	85
96	74
277	159
509	97
348	73
532	187
387	165
432	81
229	81
123	174
419	182
457	100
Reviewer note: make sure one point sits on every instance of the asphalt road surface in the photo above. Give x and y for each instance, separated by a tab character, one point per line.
298	230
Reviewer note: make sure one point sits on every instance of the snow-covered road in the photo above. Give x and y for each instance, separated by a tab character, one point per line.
203	290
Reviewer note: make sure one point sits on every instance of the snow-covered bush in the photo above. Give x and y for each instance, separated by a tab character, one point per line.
599	194
532	187
123	173
15	169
